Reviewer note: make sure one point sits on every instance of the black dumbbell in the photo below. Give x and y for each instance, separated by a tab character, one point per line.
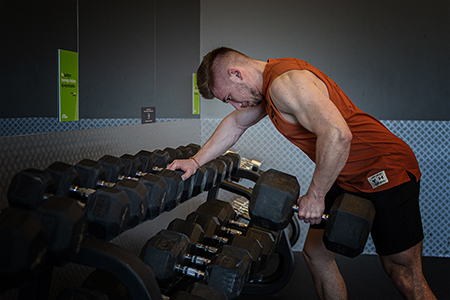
272	205
119	169
135	166
212	226
65	224
24	246
227	270
62	218
92	174
207	176
196	234
216	215
106	209
68	182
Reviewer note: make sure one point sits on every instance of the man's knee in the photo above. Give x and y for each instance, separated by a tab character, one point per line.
314	251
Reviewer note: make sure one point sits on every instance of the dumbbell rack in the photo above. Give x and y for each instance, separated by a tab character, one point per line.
138	278
121	263
276	280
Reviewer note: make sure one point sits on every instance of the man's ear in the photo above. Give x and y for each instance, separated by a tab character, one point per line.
235	73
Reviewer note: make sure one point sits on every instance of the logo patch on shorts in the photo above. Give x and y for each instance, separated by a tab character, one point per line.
378	179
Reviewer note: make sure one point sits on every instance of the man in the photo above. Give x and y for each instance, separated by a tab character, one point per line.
353	152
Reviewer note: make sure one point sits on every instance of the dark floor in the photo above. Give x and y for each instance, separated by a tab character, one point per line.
365	279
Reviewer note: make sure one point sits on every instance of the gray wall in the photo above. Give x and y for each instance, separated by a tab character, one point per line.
132	54
391	57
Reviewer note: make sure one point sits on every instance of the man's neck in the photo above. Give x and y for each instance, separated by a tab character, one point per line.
257	70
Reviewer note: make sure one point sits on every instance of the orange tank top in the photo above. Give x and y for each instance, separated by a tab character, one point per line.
378	159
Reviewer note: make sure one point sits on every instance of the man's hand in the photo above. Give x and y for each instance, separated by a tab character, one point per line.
310	209
189	166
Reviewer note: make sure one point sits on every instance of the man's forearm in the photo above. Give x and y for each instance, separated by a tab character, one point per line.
331	156
224	137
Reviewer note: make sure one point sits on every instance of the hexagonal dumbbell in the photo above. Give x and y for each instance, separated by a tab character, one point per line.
226	271
196	234
217	217
24	246
68	182
106	209
348	224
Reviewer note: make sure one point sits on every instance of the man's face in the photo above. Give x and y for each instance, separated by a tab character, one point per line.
239	95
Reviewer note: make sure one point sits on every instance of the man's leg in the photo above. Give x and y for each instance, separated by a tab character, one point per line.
405	270
326	276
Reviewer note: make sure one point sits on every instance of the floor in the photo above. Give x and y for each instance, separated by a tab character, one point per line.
365	279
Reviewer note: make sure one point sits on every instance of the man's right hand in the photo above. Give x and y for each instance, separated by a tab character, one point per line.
189	166
310	209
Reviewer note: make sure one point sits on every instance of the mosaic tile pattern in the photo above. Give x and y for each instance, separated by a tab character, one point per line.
430	141
21	126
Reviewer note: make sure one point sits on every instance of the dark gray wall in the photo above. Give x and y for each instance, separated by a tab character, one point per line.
391	57
31	32
119	43
177	55
116	58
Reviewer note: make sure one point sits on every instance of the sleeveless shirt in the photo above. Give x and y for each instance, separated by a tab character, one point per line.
378	159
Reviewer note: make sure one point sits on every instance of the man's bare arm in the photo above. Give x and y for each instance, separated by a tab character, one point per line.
224	137
300	96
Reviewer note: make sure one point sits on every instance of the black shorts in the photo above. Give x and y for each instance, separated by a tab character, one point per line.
397	225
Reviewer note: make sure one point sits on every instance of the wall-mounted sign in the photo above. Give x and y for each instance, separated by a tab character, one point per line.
195	96
148	115
68	85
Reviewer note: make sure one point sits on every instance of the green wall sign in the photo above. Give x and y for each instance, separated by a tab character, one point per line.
195	96
68	85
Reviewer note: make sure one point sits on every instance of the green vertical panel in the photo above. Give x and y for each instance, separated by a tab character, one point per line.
68	85
195	96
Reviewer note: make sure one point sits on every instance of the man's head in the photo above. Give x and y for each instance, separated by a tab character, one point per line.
227	75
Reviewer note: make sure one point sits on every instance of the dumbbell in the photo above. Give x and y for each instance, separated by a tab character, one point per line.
177	190
207	176
215	214
227	270
62	218
272	205
93	173
266	238
106	209
240	206
133	167
213	172
161	158
195	233
68	182
65	224
253	164
24	246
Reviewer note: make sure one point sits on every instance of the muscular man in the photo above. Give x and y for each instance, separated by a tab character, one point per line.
353	152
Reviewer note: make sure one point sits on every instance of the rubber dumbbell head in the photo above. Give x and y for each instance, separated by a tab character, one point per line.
348	225
274	195
24	246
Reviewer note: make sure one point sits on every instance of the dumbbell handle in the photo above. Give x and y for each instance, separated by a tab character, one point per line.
191	272
198	260
296	209
206	248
